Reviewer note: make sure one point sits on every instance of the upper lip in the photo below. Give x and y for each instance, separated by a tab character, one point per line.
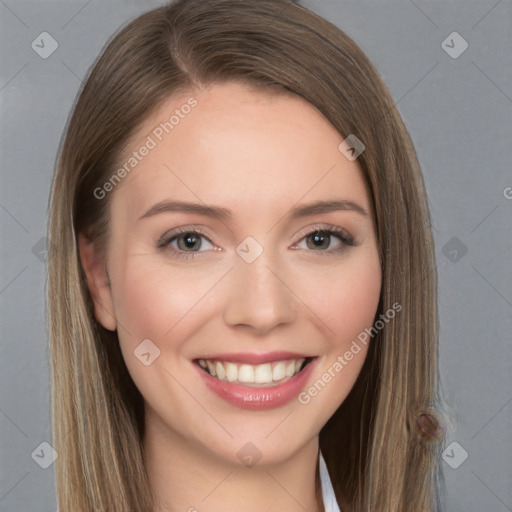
256	357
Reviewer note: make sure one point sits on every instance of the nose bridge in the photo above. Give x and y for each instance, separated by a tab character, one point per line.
257	294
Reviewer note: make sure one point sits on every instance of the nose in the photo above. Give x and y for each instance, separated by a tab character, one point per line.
259	296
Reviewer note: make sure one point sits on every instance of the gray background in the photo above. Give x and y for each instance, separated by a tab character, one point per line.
458	111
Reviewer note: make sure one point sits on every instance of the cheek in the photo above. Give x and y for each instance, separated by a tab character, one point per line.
139	302
161	304
347	303
345	299
156	301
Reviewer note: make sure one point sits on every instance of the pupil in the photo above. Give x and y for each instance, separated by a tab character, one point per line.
191	241
319	239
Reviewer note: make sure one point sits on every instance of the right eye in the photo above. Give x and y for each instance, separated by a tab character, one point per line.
184	241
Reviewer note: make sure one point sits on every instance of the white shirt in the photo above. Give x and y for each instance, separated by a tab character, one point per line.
330	503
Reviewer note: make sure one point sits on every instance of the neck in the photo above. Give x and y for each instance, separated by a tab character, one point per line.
188	477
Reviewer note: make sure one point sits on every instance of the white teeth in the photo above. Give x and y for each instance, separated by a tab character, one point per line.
263	373
293	367
211	368
279	372
219	368
266	373
246	373
231	371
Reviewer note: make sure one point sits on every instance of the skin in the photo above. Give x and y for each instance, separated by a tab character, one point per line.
257	154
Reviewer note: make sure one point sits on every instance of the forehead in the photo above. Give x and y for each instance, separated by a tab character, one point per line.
234	144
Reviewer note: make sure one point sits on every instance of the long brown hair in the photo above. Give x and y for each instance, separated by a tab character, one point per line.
382	446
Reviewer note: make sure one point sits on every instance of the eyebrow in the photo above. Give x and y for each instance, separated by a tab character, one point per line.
221	213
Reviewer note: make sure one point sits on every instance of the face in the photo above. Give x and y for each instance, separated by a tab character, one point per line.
241	241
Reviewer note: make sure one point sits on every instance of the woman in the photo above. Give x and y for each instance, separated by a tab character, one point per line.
242	288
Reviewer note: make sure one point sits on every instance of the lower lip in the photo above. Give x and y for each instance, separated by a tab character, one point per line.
252	398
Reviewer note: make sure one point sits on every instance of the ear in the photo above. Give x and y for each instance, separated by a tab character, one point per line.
95	269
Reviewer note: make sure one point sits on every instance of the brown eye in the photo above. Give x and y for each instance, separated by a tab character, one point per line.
185	242
191	241
319	240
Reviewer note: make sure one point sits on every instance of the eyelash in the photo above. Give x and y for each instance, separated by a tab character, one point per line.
329	230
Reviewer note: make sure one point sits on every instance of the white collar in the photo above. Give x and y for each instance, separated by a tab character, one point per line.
330	503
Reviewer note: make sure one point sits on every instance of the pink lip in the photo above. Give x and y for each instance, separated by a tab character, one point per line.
254	398
256	357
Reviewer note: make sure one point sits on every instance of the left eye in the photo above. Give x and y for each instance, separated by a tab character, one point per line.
320	239
188	242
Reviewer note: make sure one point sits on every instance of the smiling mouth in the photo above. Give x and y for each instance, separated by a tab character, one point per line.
261	375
